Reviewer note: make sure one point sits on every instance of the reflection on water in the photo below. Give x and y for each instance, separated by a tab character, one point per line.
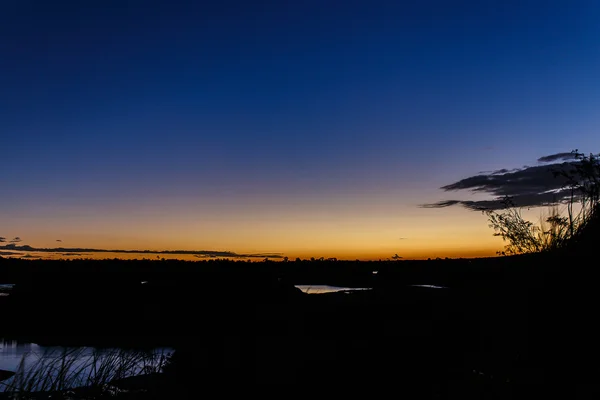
39	365
318	289
430	286
11	353
5	289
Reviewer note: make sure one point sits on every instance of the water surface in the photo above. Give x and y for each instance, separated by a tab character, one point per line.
83	363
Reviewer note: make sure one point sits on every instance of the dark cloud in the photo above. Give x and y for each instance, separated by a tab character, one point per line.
58	240
499	171
2	239
30	256
442	204
16	240
530	186
528	200
13	246
558	157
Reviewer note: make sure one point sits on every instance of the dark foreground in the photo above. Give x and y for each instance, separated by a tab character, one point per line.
503	328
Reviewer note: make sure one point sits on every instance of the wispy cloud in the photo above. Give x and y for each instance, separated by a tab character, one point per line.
530	186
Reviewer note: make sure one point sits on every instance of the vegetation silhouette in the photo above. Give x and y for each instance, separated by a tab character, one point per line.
582	181
80	373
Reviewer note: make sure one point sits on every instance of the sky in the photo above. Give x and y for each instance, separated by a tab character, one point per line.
312	128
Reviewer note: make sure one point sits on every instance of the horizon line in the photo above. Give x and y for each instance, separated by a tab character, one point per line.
206	253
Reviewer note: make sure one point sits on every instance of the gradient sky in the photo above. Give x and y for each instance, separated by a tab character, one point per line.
310	128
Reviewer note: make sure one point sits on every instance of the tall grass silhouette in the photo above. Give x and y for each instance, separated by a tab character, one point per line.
61	373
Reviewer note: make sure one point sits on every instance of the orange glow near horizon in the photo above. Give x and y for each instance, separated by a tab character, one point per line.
359	226
343	231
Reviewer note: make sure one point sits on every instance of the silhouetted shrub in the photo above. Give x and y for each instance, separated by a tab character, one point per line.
555	231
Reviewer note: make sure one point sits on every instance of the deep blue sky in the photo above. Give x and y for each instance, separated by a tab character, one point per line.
239	110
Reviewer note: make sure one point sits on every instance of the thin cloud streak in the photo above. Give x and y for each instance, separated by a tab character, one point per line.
201	253
557	157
